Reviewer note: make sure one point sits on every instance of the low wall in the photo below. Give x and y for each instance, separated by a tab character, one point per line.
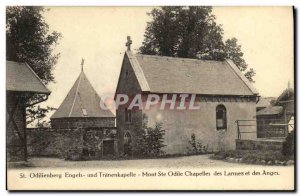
275	145
71	144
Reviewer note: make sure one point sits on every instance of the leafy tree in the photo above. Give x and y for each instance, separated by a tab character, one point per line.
190	32
28	40
234	52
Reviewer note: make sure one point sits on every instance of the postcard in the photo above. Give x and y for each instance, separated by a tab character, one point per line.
193	98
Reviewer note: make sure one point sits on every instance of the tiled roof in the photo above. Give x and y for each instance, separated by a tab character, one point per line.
271	110
287	94
265	102
160	74
20	77
81	101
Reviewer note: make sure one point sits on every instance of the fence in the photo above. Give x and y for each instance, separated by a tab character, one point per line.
266	128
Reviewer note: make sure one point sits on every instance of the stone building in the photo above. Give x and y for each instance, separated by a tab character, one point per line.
81	108
22	84
222	93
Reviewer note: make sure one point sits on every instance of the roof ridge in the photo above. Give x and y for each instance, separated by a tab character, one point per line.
75	94
177	58
139	73
36	75
241	76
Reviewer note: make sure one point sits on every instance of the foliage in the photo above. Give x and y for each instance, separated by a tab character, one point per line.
37	113
29	40
288	145
234	52
150	142
190	32
196	146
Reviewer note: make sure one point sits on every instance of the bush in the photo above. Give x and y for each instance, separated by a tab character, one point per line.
150	143
196	147
288	145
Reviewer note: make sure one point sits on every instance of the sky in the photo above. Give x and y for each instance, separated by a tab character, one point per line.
98	34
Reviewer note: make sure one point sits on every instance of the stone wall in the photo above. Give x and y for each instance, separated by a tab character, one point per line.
129	86
70	144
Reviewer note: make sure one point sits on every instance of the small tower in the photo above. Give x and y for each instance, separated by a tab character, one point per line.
81	108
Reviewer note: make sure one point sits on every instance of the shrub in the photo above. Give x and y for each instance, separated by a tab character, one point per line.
288	145
196	147
150	142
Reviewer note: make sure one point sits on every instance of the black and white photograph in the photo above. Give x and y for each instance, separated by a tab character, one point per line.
150	98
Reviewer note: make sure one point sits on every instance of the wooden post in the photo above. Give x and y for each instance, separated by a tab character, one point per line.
238	129
24	130
263	129
285	122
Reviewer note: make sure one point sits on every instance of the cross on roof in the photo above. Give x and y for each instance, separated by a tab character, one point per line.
128	43
82	62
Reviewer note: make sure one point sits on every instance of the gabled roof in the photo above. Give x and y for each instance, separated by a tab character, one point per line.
160	74
270	110
265	102
286	95
81	101
21	78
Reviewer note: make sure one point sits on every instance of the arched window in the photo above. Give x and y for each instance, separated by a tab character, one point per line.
221	117
127	144
127	138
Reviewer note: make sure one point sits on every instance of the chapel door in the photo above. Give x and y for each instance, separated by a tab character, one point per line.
108	147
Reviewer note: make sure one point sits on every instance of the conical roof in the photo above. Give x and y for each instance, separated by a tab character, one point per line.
81	101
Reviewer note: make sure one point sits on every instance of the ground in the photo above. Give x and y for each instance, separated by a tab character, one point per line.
197	161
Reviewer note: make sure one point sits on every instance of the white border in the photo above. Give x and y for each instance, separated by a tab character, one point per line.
4	3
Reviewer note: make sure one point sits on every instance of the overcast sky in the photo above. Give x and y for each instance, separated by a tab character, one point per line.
98	34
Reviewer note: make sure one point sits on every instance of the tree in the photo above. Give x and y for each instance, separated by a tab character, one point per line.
234	52
28	40
190	32
37	113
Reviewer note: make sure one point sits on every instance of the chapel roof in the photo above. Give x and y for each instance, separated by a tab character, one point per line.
161	74
81	101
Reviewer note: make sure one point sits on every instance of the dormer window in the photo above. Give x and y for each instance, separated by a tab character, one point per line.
127	73
84	112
